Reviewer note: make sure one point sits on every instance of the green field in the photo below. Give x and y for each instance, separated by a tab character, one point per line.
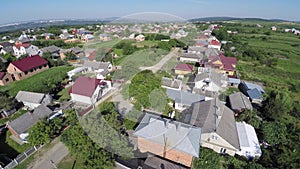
282	47
44	82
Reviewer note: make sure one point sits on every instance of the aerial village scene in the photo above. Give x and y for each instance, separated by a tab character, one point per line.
132	93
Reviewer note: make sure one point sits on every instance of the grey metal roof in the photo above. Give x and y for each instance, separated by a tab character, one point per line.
31	97
157	163
198	49
239	101
251	86
172	83
185	98
255	94
234	80
173	134
96	65
51	49
212	76
213	116
27	120
247	136
192	55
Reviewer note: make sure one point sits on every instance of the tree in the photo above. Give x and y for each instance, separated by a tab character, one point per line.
208	160
250	117
274	133
278	104
7	103
39	133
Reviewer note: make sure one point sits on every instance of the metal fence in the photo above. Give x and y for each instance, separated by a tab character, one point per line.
21	157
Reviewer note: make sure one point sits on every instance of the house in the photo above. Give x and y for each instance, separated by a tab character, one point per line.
32	99
53	50
233	82
20	49
210	80
273	28
20	126
253	91
183	69
5	79
89	90
217	124
183	99
75	71
6	47
101	68
196	49
32	50
239	102
214	44
23	68
249	145
157	162
77	51
87	37
170	83
105	37
140	38
172	140
191	57
223	64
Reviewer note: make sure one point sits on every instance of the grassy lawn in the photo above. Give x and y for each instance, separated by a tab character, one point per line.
42	82
12	117
19	148
71	162
64	94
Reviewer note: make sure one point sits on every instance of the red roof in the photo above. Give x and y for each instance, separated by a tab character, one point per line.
25	45
2	75
84	86
29	62
92	56
215	42
185	67
228	62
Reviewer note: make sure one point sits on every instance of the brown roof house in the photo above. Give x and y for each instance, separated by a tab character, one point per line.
172	140
89	90
217	124
20	126
23	68
183	69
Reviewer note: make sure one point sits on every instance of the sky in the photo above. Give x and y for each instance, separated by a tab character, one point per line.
28	10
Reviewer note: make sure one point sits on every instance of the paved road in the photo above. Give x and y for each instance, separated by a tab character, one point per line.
56	154
163	61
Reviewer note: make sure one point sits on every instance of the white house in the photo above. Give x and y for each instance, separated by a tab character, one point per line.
210	80
89	90
20	49
249	145
214	44
32	100
140	38
73	72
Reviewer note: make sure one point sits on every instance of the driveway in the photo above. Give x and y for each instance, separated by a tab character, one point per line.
50	158
164	60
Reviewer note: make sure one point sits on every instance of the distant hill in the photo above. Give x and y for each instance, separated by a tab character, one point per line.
46	23
206	19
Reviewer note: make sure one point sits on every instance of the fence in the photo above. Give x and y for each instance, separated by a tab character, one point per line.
21	157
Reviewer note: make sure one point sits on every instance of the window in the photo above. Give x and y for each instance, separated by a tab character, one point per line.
20	74
214	137
223	150
6	79
26	72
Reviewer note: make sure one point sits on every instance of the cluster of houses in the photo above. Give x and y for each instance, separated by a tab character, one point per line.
204	120
293	30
